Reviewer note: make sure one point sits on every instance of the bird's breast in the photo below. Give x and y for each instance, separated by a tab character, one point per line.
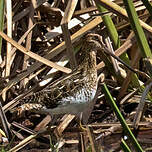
82	95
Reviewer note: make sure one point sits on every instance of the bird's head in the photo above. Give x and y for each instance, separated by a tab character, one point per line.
94	41
91	43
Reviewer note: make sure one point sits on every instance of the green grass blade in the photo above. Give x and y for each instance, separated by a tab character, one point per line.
115	39
134	21
121	119
110	27
124	146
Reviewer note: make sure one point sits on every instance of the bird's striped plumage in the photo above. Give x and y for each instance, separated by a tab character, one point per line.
72	93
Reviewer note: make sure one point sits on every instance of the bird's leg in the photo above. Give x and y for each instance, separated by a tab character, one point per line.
80	122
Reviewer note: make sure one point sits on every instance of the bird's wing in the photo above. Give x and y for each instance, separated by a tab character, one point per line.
52	95
65	87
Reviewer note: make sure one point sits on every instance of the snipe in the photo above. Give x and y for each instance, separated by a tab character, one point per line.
74	92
